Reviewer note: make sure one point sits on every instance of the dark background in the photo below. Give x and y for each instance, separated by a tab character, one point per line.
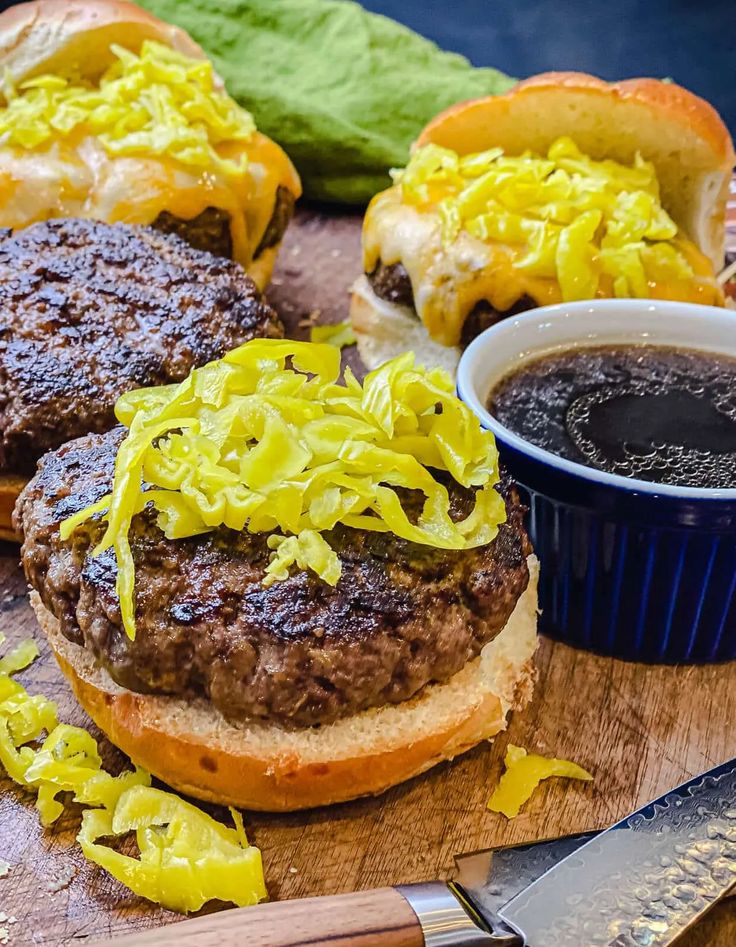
692	42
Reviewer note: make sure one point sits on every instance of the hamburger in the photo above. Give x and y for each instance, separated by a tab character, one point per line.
91	310
566	187
278	591
108	113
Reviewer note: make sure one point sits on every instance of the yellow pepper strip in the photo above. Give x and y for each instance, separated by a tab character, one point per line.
307	549
267	440
569	217
524	772
239	827
156	102
340	334
186	857
20	657
69	761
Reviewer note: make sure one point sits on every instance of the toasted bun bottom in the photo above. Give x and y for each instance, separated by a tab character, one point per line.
10	487
385	330
262	766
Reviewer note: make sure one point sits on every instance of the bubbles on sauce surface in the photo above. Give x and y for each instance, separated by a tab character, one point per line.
649	412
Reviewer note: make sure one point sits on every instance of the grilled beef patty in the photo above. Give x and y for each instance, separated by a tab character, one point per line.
91	310
276	227
300	652
392	283
210	230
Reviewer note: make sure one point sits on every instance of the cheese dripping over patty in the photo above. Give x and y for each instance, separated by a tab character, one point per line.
495	227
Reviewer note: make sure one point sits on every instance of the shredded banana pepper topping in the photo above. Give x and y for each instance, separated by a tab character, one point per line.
573	219
156	102
248	442
186	858
340	334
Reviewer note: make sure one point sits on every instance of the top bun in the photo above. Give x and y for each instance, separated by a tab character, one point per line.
73	37
680	133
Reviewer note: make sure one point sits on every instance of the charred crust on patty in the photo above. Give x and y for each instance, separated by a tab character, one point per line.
300	652
92	310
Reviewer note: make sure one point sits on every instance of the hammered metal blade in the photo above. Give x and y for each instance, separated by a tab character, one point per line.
491	878
644	881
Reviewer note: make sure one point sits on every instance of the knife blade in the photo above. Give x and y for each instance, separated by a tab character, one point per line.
492	877
645	880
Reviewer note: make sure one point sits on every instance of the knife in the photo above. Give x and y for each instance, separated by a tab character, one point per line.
644	881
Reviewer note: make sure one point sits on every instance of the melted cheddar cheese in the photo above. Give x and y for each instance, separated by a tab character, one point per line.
455	262
79	179
187	149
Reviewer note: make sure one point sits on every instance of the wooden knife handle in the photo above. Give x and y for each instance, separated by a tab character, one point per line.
380	918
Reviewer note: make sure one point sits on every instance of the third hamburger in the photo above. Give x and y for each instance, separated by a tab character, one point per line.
564	188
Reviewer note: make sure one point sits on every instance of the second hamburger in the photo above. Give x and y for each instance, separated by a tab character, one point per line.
91	310
564	188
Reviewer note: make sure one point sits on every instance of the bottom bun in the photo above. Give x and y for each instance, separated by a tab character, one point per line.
191	747
10	486
385	330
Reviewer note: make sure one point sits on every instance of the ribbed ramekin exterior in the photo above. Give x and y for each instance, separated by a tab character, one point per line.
647	594
636	576
627	568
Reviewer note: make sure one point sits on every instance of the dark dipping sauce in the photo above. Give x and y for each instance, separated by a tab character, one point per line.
653	413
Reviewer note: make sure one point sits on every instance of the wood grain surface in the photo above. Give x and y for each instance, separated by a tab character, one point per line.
640	730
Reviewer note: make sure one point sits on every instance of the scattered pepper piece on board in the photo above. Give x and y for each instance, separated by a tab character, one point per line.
524	772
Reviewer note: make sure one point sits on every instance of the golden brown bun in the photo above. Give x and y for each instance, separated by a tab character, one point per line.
75	36
680	133
10	486
261	766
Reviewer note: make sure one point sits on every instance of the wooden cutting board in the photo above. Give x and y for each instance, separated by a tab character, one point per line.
640	730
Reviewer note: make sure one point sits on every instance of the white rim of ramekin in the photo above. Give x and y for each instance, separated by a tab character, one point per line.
682	313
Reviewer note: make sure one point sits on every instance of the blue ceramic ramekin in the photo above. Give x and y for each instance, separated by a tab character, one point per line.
633	569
